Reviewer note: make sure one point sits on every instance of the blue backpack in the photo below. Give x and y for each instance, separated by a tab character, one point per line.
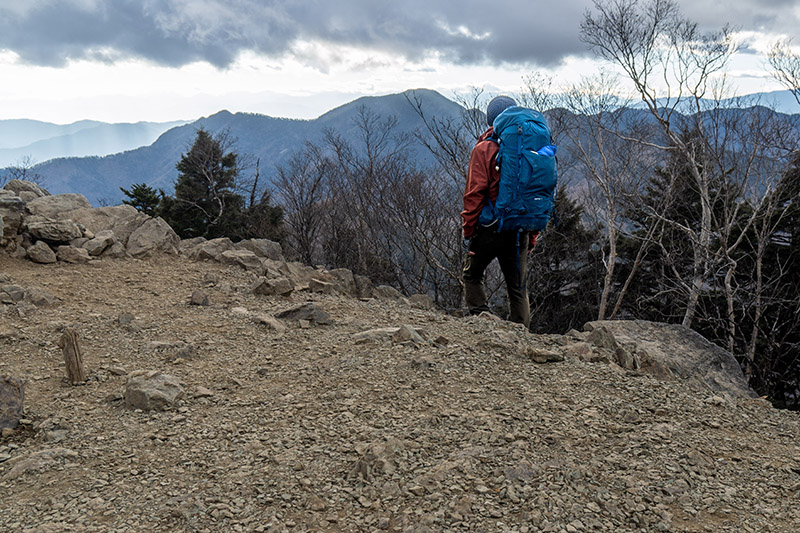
528	175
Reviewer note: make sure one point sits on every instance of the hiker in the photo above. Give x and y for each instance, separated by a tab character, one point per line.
486	240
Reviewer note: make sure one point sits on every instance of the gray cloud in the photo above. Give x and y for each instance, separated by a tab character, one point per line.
176	32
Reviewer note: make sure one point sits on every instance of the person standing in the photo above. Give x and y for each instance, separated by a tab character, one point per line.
484	244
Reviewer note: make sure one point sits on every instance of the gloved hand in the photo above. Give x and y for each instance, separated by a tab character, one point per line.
533	239
467	242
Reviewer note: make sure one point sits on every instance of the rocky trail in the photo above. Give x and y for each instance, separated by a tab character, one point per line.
338	417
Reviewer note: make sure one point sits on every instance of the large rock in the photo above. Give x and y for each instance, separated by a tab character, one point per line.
262	248
52	230
210	250
111	218
154	236
272	287
22	186
41	253
101	241
70	254
12	400
57	205
243	258
11	209
670	351
152	390
344	281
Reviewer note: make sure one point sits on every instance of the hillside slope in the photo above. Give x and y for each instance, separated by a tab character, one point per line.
309	430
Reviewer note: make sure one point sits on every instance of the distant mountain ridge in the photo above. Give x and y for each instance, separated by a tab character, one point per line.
43	140
271	140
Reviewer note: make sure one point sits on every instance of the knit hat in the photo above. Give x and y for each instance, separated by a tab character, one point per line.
496	106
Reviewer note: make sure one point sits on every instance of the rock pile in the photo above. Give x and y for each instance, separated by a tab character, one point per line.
48	228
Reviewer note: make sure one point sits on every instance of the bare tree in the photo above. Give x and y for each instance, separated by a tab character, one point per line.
661	52
612	166
450	141
785	62
23	169
302	186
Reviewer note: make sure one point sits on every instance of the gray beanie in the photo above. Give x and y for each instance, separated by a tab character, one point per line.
496	106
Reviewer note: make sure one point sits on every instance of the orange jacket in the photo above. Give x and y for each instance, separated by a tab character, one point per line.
483	181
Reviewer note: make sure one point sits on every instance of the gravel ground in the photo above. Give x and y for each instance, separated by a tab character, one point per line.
311	429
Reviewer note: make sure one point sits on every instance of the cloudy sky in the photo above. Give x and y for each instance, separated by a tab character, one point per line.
131	60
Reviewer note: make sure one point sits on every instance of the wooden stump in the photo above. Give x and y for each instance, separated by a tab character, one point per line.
69	344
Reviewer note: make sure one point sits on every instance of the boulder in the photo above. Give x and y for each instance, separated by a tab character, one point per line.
243	258
52	230
187	244
153	236
210	250
11	210
318	285
670	351
387	293
97	245
272	287
152	390
70	254
41	253
54	207
20	186
11	294
115	251
262	248
122	220
12	400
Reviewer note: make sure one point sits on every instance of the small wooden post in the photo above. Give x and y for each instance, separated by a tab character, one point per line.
72	356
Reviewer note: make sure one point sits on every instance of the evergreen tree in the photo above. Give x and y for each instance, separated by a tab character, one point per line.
144	198
205	202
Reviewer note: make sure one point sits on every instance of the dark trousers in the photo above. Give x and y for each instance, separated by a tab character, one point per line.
511	250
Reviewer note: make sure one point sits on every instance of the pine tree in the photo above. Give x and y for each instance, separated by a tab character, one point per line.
144	198
205	202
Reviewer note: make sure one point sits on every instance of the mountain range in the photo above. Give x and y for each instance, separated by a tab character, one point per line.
42	141
271	141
